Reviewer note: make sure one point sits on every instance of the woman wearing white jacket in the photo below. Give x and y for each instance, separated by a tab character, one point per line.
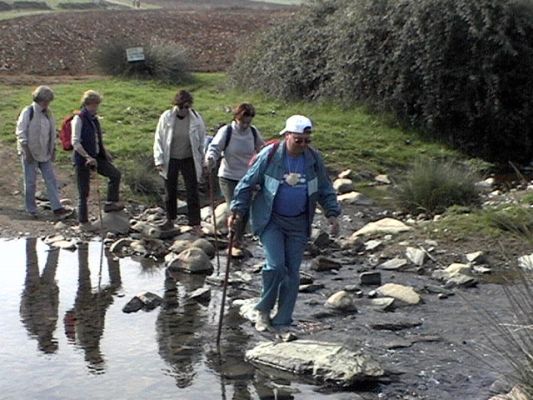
179	147
36	137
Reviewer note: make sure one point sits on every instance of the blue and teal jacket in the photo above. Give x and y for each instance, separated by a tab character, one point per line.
267	174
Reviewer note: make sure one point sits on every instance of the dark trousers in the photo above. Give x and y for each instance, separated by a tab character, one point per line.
188	171
83	173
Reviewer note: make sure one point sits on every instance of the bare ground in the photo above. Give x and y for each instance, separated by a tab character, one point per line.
65	43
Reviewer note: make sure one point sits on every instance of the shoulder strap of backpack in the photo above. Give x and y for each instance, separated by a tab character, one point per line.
254	132
31	110
229	131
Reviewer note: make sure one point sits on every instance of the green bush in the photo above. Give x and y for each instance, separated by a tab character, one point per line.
432	186
511	338
142	179
31	5
455	68
164	61
517	221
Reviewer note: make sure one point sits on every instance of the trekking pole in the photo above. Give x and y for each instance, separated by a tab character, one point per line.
212	201
226	276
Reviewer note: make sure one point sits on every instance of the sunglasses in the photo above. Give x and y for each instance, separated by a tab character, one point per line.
302	140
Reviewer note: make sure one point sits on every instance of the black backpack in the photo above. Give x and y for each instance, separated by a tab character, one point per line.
229	131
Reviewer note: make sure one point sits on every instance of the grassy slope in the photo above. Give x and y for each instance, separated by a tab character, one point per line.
348	138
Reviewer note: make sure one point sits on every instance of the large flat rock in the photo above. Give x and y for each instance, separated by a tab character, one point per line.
324	362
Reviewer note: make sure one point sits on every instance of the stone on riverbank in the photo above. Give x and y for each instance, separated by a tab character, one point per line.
394	264
385	225
343	185
322	263
416	256
342	301
399	292
322	361
526	262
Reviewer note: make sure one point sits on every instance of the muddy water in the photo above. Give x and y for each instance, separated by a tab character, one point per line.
64	335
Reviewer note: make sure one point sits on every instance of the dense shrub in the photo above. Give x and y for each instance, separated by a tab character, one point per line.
30	5
82	5
432	186
142	179
5	6
516	221
164	61
456	68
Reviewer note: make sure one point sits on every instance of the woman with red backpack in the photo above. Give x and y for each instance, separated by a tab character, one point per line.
90	154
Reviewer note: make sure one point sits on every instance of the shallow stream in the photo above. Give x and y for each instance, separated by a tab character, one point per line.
64	335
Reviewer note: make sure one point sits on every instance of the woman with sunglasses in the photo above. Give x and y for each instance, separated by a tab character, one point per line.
292	178
179	147
236	143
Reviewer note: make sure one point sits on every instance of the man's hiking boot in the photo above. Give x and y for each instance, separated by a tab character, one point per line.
262	321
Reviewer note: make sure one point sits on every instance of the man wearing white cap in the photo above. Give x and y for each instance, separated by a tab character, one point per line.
292	178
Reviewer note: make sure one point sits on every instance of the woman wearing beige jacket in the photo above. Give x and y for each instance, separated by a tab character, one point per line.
179	147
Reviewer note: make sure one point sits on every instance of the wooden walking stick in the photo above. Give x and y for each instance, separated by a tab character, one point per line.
226	276
212	201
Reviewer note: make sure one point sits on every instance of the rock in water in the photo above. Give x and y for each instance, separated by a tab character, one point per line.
324	362
116	222
206	246
192	260
146	300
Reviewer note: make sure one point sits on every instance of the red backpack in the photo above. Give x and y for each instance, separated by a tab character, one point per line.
275	144
65	134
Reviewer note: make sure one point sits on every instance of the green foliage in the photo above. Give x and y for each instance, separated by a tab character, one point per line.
516	220
432	186
348	138
166	62
456	68
142	179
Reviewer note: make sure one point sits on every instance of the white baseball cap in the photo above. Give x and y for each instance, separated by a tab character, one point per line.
297	124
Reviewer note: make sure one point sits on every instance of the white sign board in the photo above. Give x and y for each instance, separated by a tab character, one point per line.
135	54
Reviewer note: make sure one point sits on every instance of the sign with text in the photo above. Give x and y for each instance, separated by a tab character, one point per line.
135	54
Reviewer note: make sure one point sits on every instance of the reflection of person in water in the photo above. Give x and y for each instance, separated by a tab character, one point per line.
40	298
84	324
178	330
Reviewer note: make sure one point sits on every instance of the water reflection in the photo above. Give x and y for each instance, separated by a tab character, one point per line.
178	329
40	298
84	323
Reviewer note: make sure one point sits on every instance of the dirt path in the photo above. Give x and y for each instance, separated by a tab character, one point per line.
14	221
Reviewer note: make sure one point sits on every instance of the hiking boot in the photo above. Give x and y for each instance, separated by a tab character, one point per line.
87	227
113	206
262	321
168	225
62	213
